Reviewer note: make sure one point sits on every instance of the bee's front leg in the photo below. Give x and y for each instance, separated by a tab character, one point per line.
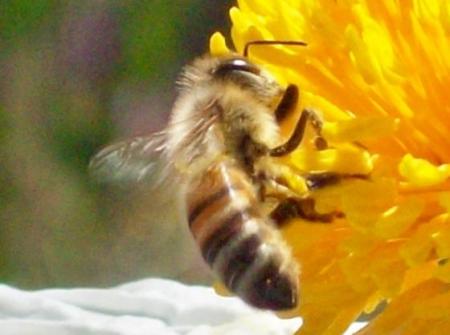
277	180
308	115
287	104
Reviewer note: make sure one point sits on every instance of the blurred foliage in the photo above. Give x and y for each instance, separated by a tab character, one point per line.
19	18
75	75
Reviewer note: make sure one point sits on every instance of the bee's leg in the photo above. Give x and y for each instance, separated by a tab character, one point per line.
295	207
278	179
304	208
297	136
251	151
289	190
287	103
317	180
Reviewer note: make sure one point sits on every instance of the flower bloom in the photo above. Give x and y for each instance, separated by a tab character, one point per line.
378	72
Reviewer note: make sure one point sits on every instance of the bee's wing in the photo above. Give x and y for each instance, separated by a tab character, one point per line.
144	197
139	159
148	159
144	176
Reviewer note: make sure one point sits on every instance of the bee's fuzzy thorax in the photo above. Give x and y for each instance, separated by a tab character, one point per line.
243	103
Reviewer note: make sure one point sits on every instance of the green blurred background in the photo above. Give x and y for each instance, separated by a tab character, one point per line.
75	75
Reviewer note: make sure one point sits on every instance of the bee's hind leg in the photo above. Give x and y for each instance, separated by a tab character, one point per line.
303	208
290	191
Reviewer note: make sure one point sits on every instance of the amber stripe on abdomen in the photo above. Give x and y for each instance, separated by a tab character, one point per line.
217	201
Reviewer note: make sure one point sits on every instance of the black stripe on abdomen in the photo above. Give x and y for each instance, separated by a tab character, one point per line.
230	228
211	199
240	258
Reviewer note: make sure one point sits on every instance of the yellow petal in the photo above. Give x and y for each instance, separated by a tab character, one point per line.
444	200
358	129
399	218
347	160
441	239
217	45
399	316
419	246
365	201
442	272
378	72
421	173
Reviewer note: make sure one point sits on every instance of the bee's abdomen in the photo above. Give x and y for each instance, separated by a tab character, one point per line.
239	244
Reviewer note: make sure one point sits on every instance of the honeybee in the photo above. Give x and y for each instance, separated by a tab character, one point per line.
219	151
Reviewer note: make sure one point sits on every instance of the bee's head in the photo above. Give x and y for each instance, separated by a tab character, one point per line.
247	76
232	70
237	71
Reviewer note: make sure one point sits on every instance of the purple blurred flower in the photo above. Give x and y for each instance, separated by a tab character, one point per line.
90	41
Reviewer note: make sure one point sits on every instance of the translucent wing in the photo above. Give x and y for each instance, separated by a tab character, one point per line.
145	191
149	158
132	160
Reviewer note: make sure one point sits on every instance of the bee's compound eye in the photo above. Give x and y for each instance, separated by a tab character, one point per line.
236	64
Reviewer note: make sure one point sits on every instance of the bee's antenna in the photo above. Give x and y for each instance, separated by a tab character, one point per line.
263	42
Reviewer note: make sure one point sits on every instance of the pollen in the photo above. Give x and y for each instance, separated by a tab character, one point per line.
378	72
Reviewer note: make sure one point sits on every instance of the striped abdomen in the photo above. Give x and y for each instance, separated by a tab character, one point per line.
239	244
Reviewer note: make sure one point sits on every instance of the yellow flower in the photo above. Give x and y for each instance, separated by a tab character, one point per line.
379	72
